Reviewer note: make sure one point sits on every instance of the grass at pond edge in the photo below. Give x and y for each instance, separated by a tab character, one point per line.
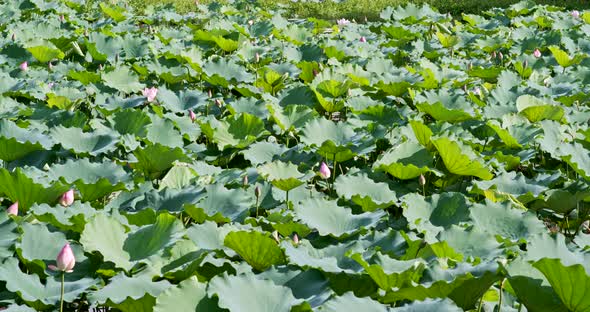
359	9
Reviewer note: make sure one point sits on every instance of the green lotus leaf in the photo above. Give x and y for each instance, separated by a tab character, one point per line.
74	218
16	142
45	54
333	139
238	132
162	131
107	236
155	159
93	143
503	220
269	297
122	79
131	121
535	109
283	176
38	243
406	161
365	192
183	100
113	11
389	273
179	176
457	162
437	213
93	180
152	239
349	301
262	152
17	186
122	287
259	250
563	59
31	290
571	283
188	296
330	259
292	116
330	219
8	232
226	204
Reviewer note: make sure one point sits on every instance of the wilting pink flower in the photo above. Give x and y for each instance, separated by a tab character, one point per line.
363	39
150	93
67	198
342	22
575	13
13	209
324	171
537	53
23	66
65	260
192	115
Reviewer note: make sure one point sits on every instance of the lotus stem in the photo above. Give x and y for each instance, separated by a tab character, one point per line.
61	300
500	298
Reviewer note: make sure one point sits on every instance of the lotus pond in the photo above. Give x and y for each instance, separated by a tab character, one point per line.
237	159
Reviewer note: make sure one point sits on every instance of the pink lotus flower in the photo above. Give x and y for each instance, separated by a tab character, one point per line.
296	239
67	198
150	93
342	22
13	209
575	13
192	115
363	39
65	260
537	53
324	171
24	66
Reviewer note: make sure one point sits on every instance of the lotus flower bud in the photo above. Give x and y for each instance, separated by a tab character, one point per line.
250	22
150	93
67	198
100	67
257	192
525	64
465	88
315	72
209	93
257	57
13	209
575	13
470	66
192	115
218	102
477	91
537	53
275	235
422	180
65	259
245	180
324	171
363	39
296	239
366	19
62	18
500	55
494	54
13	37
85	32
24	66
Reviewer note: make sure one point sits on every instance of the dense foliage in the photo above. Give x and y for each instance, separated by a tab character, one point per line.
234	159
